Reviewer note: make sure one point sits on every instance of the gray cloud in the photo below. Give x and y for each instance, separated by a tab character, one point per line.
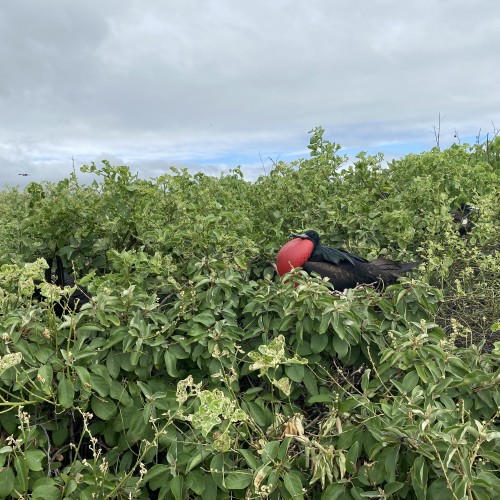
209	83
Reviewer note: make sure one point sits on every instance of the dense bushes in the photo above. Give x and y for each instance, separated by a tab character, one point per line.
196	372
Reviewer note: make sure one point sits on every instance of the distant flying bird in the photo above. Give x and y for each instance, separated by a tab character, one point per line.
344	269
24	175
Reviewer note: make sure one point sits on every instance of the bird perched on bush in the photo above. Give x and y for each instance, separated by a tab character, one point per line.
463	216
72	303
344	269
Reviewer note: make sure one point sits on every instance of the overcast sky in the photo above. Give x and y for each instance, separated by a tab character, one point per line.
211	84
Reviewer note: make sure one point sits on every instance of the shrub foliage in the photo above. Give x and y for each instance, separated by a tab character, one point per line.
195	372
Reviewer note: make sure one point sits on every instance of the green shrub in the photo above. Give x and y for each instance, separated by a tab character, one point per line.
195	372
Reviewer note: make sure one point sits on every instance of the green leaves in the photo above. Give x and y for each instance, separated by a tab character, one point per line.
46	492
7	479
66	392
319	342
293	485
238	480
207	377
410	380
341	346
206	318
105	409
419	474
34	459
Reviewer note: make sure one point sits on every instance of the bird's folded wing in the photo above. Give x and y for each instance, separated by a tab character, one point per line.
337	255
342	275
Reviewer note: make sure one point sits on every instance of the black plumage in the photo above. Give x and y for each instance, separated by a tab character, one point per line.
463	217
345	275
75	301
322	253
347	270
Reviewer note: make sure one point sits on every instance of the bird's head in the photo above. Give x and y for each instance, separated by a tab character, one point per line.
310	235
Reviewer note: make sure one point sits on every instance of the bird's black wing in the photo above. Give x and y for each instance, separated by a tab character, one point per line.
342	275
337	255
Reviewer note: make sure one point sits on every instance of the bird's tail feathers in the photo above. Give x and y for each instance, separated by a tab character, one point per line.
395	266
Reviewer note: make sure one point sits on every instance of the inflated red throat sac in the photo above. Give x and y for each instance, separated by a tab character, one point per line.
293	254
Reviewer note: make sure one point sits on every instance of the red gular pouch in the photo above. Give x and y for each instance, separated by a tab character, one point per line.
294	253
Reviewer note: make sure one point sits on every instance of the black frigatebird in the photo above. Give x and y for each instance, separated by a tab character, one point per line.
343	268
75	301
462	217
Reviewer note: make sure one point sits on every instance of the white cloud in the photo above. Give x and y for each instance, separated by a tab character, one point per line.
203	82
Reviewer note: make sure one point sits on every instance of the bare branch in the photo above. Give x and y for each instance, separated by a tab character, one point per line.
263	165
478	137
437	131
274	162
495	130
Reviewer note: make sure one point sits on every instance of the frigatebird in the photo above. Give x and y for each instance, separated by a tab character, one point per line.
462	217
72	303
343	268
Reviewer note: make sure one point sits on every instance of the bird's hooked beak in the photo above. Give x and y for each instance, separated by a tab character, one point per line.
301	236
